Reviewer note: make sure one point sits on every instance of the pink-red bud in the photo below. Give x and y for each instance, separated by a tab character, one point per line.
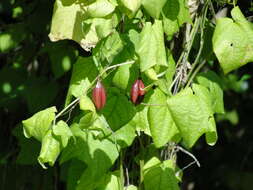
99	95
137	92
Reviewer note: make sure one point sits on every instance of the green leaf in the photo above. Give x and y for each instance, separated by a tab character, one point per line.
175	13
100	128
141	119
99	155
71	28
111	182
134	37
75	170
152	163
206	104
50	150
89	112
86	104
159	175
62	133
151	74
121	77
78	27
118	111
38	125
196	112
100	8
95	29
161	58
108	48
233	41
84	72
125	135
153	7
131	6
162	126
165	83
211	81
150	47
171	68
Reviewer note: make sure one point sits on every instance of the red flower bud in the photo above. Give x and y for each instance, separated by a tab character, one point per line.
99	95
137	92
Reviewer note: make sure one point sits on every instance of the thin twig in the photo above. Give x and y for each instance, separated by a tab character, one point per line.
111	67
127	177
70	111
193	162
68	107
189	154
153	104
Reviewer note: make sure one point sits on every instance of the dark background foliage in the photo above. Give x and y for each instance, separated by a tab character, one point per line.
35	73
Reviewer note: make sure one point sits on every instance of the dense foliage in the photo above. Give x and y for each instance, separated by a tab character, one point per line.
115	94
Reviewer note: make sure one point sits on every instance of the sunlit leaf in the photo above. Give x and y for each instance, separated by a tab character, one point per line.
131	6
62	133
100	8
99	155
153	7
232	41
71	21
159	175
150	46
175	13
193	115
50	150
162	126
38	125
84	72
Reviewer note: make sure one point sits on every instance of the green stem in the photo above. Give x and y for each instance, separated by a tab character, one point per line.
141	174
234	3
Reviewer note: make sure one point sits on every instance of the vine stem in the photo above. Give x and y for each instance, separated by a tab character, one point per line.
186	51
212	10
182	61
92	83
193	72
